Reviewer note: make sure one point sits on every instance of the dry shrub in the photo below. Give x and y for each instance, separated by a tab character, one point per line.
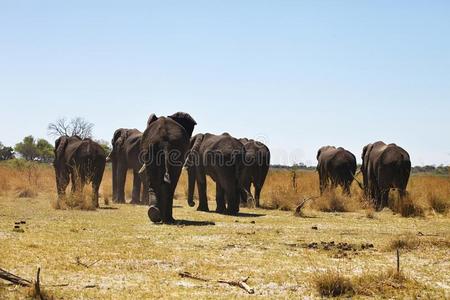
333	201
385	283
279	191
32	293
26	192
438	203
282	198
79	200
370	213
406	207
405	242
333	284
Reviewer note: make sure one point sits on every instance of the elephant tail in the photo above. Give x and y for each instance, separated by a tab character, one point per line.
166	163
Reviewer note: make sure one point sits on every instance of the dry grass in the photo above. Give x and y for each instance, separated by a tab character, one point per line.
333	284
384	284
425	193
139	260
405	242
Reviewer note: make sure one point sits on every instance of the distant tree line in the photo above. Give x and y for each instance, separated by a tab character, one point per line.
439	170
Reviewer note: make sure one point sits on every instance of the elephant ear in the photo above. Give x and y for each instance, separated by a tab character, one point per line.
151	119
60	146
319	152
366	151
185	120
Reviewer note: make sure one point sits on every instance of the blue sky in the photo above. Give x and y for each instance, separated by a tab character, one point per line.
295	74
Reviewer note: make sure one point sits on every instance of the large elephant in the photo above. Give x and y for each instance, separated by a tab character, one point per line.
336	166
81	161
221	157
384	167
256	167
124	156
164	145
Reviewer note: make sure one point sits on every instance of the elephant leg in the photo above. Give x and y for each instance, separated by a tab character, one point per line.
167	203
144	193
62	181
220	199
95	193
384	199
121	178
346	187
114	180
232	196
258	189
321	184
202	191
191	172
136	194
244	196
75	183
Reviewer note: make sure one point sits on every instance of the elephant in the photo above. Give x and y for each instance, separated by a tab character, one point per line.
163	148
81	161
336	166
124	156
384	167
256	168
221	157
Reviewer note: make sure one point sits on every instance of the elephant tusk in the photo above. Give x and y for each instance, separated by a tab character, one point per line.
142	170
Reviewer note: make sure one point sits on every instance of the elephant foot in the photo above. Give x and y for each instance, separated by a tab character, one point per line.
221	211
204	209
170	221
232	212
135	202
154	214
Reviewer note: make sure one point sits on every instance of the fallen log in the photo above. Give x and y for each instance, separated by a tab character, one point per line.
14	279
240	283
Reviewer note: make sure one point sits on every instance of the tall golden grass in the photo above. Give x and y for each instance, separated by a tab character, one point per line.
426	193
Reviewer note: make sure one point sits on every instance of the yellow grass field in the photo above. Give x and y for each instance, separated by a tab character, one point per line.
336	244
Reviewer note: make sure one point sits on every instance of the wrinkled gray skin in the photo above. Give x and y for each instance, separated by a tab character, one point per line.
336	166
124	156
79	161
256	167
384	167
164	145
220	157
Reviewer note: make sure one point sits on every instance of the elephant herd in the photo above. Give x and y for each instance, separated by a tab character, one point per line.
384	167
158	155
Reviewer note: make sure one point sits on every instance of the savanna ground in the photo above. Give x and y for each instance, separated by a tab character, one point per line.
338	245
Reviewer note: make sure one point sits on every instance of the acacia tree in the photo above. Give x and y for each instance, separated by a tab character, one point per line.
74	127
6	153
32	149
27	148
45	150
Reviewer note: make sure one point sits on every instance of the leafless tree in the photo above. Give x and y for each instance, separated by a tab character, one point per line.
76	126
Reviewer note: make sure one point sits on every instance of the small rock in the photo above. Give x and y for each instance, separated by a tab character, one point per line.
315	228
